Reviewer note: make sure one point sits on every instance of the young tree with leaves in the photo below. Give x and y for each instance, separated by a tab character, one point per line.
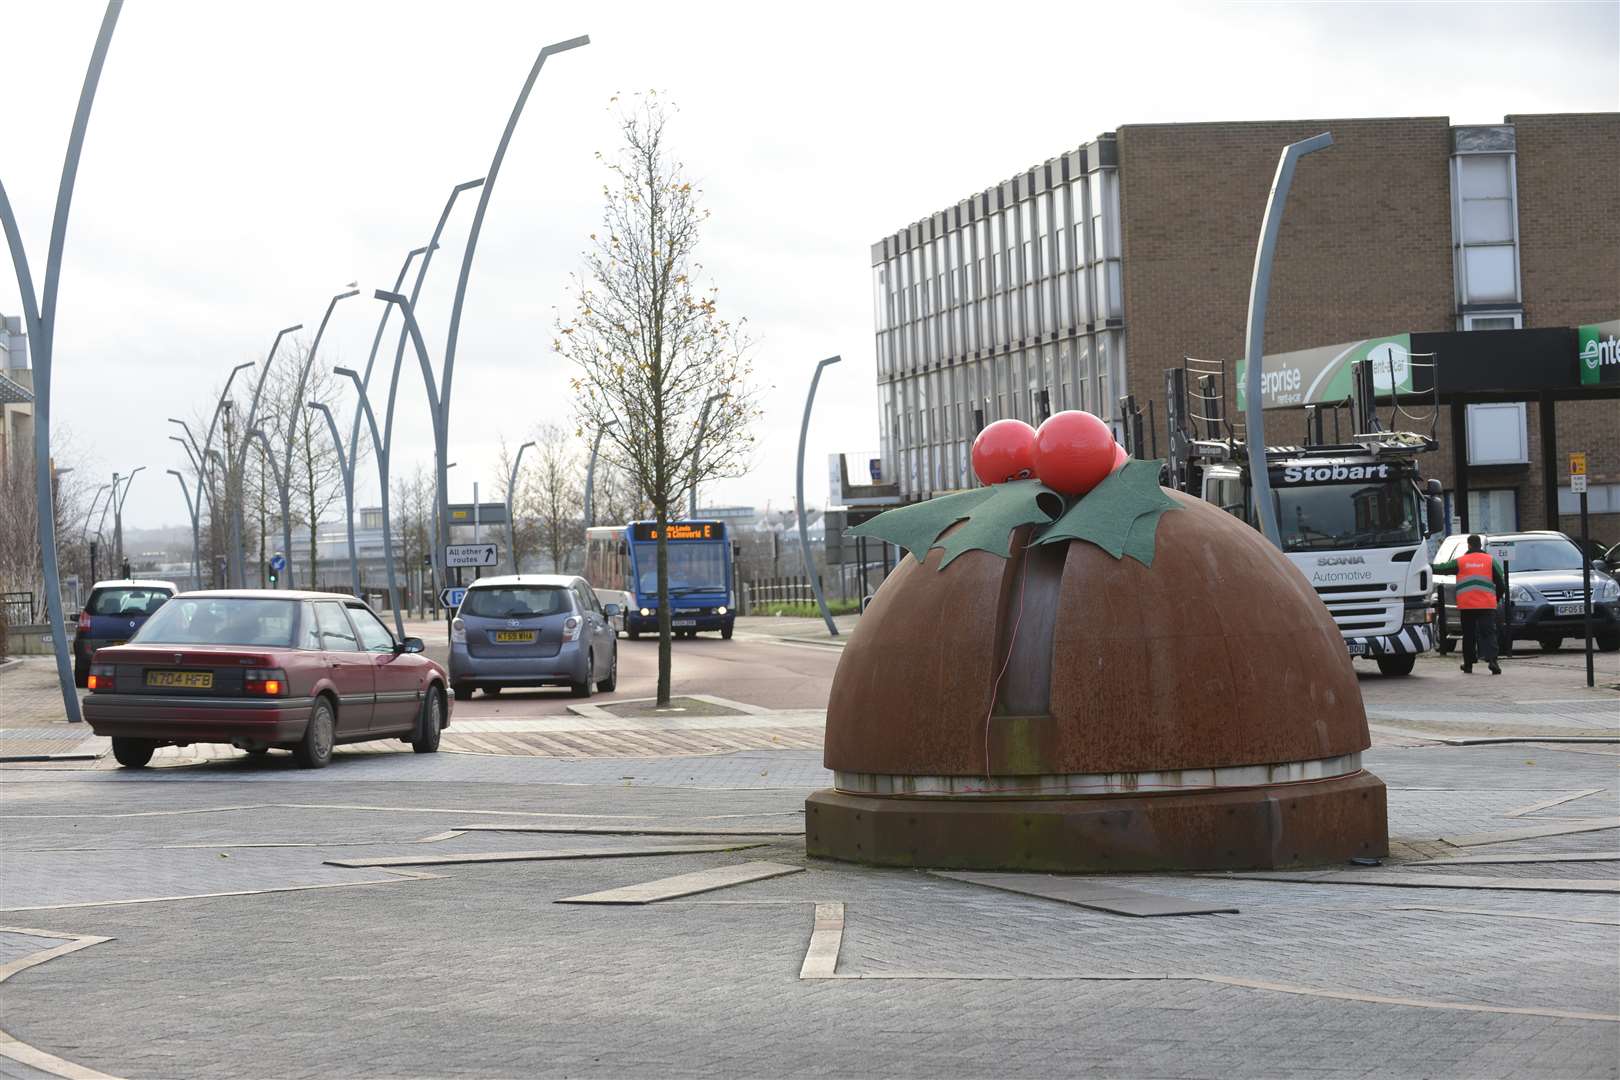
650	344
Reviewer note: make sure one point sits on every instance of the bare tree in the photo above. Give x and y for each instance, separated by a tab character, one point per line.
412	513
556	491
315	481
649	341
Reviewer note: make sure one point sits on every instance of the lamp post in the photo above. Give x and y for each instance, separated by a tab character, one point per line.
39	312
1259	290
84	534
697	446
590	474
281	478
804	530
381	448
511	506
196	538
346	473
207	446
292	429
118	515
436	412
239	457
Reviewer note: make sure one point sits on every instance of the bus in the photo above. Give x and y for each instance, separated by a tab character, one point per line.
621	564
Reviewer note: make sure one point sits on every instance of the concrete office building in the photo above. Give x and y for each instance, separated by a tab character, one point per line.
1080	280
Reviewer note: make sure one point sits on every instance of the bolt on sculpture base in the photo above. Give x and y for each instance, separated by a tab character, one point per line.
1062	709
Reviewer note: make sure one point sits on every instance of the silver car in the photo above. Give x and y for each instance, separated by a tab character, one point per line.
533	630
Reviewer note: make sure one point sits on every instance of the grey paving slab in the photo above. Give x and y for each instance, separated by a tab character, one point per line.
1525	857
701	881
1532	832
15	945
1089	893
537	856
632	830
1408	880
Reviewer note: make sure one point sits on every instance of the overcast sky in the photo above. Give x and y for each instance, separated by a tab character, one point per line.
246	160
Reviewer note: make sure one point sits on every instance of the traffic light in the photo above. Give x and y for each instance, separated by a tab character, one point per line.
270	574
124	569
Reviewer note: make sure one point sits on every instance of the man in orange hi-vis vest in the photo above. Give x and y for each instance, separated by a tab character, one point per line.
1480	584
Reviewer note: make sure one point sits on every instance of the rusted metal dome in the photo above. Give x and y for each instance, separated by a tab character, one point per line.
1063	709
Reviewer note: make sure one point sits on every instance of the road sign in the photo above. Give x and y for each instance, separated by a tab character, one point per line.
489	513
1577	484
451	597
471	554
1577	464
278	562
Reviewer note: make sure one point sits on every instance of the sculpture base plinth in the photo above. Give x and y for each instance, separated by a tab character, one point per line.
1261	828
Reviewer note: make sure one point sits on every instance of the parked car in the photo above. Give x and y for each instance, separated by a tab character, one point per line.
1544	601
533	630
299	671
112	614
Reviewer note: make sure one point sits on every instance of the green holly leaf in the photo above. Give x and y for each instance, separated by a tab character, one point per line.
1119	515
990	515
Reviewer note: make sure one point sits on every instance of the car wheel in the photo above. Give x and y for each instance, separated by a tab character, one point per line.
430	723
1399	664
725	633
1551	644
314	750
132	753
463	693
492	691
584	689
1608	642
611	683
81	677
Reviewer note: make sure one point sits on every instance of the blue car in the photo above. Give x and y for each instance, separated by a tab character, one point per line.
112	614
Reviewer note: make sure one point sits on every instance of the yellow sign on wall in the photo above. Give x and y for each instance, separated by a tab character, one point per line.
1577	464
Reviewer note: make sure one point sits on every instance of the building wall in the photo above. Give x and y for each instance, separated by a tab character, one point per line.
1365	246
1569	240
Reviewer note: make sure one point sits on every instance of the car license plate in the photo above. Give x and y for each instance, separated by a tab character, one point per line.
1357	648
1576	608
190	680
683	622
514	635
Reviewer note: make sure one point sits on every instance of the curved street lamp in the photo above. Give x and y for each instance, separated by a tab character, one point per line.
39	312
697	446
292	426
380	446
590	474
196	532
281	478
346	473
804	530
118	514
511	518
238	554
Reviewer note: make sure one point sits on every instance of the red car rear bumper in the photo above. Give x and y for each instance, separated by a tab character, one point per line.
193	719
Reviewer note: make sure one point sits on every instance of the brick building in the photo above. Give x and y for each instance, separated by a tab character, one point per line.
1082	279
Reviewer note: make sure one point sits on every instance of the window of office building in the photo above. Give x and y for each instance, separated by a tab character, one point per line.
1484	219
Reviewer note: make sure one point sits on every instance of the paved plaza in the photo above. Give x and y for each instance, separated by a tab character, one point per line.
187	921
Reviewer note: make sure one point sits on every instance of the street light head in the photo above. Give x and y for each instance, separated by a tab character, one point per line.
469	185
242	366
564	46
175	472
293	329
353	289
391	297
523	447
348	373
319	406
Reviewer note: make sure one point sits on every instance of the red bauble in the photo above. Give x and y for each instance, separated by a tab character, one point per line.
1004	451
1074	452
1120	457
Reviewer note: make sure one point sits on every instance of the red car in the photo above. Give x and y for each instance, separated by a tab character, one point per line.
301	671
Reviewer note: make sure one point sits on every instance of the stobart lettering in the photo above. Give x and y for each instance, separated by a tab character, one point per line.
1318	474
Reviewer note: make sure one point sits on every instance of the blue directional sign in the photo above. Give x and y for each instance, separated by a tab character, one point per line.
278	562
450	596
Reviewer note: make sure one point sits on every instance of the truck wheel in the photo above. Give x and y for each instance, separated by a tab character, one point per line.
1608	642
1399	664
1551	644
132	753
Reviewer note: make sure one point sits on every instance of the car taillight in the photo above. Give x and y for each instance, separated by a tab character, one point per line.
571	627
458	631
264	682
84	622
102	677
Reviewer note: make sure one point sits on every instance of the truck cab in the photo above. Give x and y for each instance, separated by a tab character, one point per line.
1354	520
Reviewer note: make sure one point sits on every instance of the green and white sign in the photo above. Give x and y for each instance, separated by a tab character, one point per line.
1597	349
1312	376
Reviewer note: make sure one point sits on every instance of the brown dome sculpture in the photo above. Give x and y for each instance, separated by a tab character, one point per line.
1061	709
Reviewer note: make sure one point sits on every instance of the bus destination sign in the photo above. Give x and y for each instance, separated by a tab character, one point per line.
678	530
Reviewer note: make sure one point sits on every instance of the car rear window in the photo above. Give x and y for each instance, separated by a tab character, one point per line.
516	602
221	620
128	600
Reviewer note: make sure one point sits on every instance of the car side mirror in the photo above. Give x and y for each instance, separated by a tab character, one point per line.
410	645
612	611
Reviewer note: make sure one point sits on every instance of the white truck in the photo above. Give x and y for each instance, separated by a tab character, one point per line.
1354	518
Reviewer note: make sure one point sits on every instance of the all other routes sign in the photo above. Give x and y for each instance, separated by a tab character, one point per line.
471	554
451	596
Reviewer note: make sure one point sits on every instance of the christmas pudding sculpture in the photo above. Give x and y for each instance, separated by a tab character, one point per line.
1086	671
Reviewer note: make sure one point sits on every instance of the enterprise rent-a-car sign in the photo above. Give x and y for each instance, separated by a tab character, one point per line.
1310	376
1597	349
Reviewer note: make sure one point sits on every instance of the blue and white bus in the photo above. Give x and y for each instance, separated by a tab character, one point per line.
621	563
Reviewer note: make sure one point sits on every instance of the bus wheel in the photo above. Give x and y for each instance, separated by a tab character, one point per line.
633	635
726	633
